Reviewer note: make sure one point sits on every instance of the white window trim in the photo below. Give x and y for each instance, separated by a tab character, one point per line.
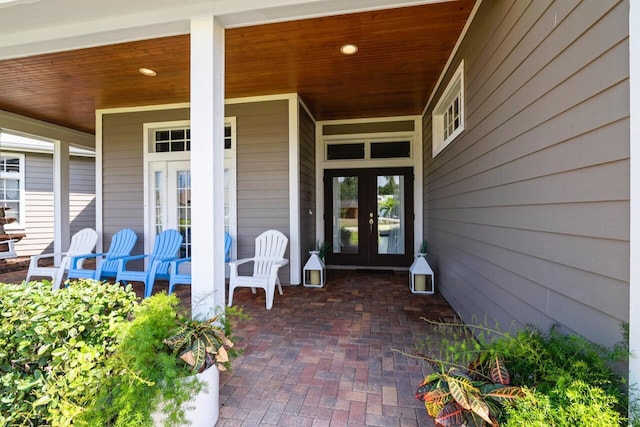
20	225
455	87
414	161
368	141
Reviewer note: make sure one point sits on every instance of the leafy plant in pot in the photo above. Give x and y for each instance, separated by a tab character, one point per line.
203	346
163	365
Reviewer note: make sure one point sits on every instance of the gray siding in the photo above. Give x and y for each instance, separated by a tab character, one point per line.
263	172
38	205
39	200
308	192
122	170
526	213
82	187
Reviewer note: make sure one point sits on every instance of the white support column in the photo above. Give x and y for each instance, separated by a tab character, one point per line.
61	236
634	196
207	165
294	191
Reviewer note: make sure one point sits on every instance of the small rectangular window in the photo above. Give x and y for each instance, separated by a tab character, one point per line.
390	150
179	140
345	151
227	137
172	140
11	188
448	115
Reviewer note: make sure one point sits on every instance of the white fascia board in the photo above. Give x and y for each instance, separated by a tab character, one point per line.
37	27
22	125
27	147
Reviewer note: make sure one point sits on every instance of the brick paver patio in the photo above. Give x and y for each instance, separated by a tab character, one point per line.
324	356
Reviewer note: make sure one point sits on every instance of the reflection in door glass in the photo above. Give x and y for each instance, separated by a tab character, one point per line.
158	202
184	210
345	214
389	194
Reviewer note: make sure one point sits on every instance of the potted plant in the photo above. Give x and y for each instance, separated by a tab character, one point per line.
422	251
323	249
165	371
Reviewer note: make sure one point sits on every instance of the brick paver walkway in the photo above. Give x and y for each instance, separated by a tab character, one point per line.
324	356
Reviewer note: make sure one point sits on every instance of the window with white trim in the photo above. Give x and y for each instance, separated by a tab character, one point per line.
12	187
169	179
448	115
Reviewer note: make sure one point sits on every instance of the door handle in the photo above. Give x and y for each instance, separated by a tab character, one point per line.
371	225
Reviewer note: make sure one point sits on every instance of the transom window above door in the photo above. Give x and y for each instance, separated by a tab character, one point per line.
179	139
172	140
368	150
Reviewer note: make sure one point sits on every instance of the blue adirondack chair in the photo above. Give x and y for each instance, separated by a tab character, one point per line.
165	250
180	270
122	244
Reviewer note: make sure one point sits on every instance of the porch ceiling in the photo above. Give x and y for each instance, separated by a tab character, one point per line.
401	55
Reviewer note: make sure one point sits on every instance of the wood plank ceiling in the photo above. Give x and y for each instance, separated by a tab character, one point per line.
401	55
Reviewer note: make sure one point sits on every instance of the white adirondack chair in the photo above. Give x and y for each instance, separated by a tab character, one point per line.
82	243
269	257
11	250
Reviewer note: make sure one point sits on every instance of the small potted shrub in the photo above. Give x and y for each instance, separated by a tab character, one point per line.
165	370
323	249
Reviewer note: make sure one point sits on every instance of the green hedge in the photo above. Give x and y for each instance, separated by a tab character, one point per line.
54	346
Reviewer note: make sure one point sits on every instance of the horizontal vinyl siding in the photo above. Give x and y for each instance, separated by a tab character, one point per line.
38	205
526	213
82	186
263	172
123	170
39	201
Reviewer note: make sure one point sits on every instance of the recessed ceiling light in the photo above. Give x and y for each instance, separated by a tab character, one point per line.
147	72
349	49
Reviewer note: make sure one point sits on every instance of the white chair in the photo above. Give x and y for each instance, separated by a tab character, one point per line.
10	252
82	243
269	257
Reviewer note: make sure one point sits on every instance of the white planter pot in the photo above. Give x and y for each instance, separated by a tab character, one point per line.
203	410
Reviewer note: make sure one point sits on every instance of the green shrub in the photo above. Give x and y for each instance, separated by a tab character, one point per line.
144	373
566	380
53	348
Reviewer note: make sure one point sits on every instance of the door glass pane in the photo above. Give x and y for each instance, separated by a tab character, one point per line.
183	207
157	201
345	214
226	200
390	200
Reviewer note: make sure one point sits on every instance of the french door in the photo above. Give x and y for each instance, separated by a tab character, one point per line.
179	203
369	216
171	198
